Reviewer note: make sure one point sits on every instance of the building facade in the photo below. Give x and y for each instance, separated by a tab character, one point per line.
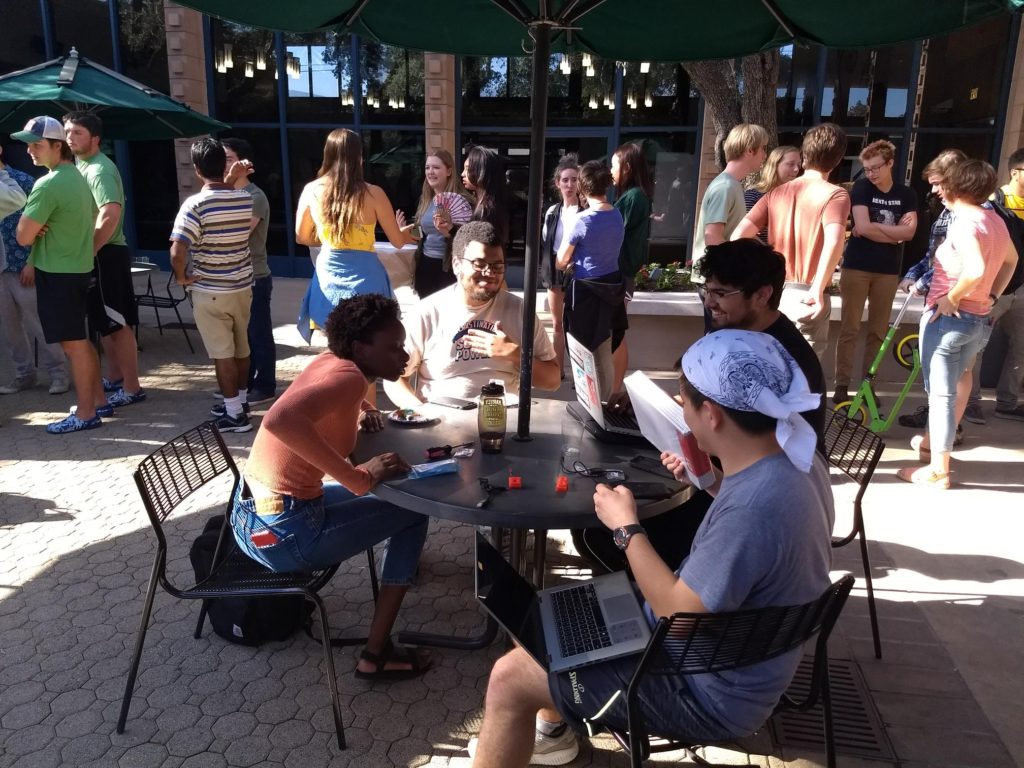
284	92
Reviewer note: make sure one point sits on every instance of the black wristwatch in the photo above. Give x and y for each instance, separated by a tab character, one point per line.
622	535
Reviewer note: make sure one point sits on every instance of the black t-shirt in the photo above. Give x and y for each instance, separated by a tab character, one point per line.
883	208
786	333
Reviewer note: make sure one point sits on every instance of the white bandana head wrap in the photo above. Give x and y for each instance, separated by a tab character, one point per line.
750	371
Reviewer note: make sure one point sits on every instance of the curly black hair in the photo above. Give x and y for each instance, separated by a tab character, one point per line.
358	319
746	264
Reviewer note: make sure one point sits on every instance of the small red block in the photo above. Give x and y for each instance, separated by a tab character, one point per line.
561	484
514	481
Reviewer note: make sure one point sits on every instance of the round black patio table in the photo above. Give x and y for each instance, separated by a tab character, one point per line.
537	505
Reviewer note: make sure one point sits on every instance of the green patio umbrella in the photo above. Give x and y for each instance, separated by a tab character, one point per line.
129	109
622	30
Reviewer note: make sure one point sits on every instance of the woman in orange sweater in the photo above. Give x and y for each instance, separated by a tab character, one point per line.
293	520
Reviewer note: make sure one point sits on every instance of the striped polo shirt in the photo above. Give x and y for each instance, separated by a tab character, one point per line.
214	224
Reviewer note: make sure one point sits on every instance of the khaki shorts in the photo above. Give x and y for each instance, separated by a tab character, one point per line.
223	322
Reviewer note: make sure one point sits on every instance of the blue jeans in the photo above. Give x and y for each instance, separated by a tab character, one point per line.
948	346
317	533
262	353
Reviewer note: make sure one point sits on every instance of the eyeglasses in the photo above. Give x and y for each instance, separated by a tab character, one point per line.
872	169
483	267
716	293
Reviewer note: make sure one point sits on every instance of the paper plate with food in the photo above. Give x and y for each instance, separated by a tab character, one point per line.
408	417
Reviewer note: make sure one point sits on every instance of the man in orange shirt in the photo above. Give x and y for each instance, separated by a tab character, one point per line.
806	223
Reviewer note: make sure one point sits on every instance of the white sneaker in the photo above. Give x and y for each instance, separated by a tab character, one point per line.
547	750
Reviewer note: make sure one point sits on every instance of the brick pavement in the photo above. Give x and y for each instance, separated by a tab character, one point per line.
75	554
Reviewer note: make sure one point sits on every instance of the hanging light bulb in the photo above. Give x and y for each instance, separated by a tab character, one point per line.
261	60
610	103
586	61
565	66
645	67
648	102
249	70
593	102
229	60
401	102
590	71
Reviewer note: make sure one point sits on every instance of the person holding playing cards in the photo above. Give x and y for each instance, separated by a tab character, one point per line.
442	204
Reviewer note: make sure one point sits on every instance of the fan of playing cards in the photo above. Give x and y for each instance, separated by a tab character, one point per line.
455	205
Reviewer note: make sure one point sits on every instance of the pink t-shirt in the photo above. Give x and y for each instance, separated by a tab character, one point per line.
983	226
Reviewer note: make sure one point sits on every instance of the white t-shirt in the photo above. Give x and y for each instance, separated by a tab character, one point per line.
566	221
440	354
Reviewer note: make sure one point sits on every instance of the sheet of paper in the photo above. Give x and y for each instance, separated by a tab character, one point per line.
659	417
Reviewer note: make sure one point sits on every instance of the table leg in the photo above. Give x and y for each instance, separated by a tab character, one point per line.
540	546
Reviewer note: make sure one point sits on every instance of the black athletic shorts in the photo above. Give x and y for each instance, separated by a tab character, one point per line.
593	698
112	298
61	299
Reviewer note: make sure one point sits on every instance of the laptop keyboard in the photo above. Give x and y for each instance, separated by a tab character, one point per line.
620	420
578	620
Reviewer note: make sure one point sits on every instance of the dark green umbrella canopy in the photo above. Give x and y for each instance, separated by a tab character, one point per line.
129	110
625	30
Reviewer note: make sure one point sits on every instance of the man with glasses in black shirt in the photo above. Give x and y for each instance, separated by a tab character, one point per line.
462	337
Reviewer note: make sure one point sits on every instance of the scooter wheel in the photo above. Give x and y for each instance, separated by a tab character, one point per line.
860	416
904	351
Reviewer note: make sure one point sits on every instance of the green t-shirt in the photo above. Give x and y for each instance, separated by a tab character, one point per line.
635	208
105	183
61	200
723	204
258	236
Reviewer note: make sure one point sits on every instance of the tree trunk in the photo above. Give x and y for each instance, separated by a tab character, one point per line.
760	83
716	82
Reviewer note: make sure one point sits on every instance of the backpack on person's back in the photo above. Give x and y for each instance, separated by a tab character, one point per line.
1015	226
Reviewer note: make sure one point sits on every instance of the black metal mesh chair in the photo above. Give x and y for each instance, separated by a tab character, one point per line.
149	298
700	643
855	450
165	479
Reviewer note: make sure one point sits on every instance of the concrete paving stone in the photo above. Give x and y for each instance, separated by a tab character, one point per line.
189	741
427	712
927	655
68	679
49	757
408	691
205	760
176	717
18	653
61	662
234	725
958	748
112	648
462	698
441	678
883	676
10	674
84	748
72	701
137	730
409	752
143	756
291	734
24	715
86	603
210	682
280	710
391	728
221	703
315	754
260	690
248	671
78	723
248	751
21	693
373	703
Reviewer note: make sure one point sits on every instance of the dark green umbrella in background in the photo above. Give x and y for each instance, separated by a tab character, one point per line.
622	30
129	109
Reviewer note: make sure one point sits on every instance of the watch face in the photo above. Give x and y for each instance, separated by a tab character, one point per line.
620	537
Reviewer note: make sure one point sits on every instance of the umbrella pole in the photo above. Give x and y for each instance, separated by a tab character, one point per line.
538	123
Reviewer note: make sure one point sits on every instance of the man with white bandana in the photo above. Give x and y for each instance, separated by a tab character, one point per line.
766	541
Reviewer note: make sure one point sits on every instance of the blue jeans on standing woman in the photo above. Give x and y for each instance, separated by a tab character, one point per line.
317	533
947	347
262	353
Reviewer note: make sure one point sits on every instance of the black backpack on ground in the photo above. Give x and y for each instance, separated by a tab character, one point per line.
245	620
1015	225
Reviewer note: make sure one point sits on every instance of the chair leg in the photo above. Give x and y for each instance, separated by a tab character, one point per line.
202	619
372	563
133	669
332	678
871	594
826	705
184	330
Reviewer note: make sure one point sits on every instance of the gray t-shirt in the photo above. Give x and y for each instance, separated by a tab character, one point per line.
766	541
258	237
722	204
434	244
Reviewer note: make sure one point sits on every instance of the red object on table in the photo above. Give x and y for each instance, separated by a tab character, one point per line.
562	484
514	481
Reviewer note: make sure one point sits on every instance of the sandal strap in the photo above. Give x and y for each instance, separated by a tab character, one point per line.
381	658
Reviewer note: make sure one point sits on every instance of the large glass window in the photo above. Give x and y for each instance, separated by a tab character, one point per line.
673	161
797	86
84	24
497	90
658	94
869	88
964	76
23	37
155	191
320	78
392	84
266	149
144	42
244	84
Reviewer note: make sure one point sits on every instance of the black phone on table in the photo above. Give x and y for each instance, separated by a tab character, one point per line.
454	402
647	464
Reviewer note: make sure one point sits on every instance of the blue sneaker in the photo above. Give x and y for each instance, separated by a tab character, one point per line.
111	386
71	423
106	411
120	397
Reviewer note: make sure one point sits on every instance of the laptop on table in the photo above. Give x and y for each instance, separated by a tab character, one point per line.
563	627
590	406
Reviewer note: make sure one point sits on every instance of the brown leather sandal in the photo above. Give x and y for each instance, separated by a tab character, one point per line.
392	653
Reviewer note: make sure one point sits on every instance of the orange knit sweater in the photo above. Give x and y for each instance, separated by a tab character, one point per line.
311	430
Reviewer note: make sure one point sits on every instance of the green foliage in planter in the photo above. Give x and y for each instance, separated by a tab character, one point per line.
670	277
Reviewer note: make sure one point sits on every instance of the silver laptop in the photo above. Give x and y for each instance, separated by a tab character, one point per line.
563	627
587	378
